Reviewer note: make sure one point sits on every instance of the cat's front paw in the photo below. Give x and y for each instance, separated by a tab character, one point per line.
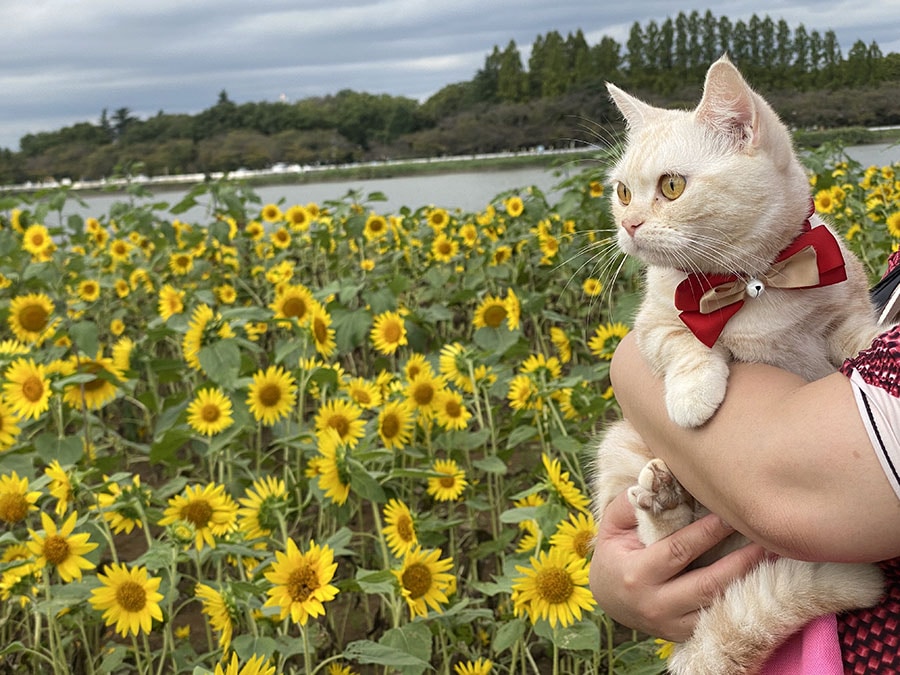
692	398
657	489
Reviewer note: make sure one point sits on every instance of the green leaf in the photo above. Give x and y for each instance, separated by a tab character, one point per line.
366	651
507	635
362	483
520	435
413	639
85	336
490	465
67	450
581	636
380	581
221	361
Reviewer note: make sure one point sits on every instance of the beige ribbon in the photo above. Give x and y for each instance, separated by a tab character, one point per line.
799	271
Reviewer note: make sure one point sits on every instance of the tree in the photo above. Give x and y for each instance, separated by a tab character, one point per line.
512	82
578	58
122	119
487	79
711	49
637	62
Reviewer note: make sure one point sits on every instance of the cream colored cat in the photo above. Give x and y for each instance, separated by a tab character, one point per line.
719	191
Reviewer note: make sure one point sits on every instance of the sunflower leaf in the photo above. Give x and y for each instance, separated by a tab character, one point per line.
366	651
85	336
221	361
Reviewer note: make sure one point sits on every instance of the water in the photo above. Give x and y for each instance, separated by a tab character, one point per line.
468	191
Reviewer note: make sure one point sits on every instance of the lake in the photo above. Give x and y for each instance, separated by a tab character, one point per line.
468	191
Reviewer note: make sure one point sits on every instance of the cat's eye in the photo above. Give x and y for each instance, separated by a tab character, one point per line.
672	185
623	193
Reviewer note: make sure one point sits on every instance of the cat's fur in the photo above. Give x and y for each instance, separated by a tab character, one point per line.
745	199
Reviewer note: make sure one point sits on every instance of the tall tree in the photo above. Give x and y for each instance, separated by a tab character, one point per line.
637	60
512	82
711	48
578	58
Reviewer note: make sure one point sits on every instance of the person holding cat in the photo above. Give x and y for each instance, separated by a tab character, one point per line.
791	465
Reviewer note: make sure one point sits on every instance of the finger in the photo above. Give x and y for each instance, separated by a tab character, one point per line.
672	554
619	514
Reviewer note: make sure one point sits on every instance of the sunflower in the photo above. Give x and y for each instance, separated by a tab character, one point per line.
37	241
331	467
443	248
209	510
450	412
116	327
592	287
260	506
561	341
256	665
339	669
530	529
181	262
595	189
395	424
204	328
171	302
298	218
376	227
469	235
128	598
422	391
30	318
322	332
364	393
226	293
293	303
301	582
893	224
120	250
524	393
16	502
271	213
563	486
121	354
210	411
554	587
415	365
388	332
501	255
514	206
450	482
27	389
88	290
123	508
60	487
606	338
493	312
272	395
220	608
546	369
281	238
96	392
400	531
344	417
477	667
60	548
425	580
438	219
454	363
9	427
576	534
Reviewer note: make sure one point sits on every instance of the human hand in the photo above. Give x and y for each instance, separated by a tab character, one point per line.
647	588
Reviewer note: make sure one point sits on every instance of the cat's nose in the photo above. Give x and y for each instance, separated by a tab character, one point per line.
631	226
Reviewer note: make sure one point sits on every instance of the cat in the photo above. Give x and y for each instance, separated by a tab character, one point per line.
716	197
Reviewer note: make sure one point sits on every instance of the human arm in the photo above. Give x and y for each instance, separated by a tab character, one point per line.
786	462
647	588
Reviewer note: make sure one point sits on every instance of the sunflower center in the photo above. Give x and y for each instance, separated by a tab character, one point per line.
417	580
447	481
405	528
390	426
295	307
56	549
495	315
320	331
131	596
445	248
340	424
423	393
197	513
33	318
210	413
453	409
554	585
13	508
301	583
582	542
33	388
270	395
390	332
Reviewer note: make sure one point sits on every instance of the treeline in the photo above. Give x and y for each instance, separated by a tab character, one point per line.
557	97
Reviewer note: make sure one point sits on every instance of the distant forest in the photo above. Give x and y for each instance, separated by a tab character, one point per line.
557	98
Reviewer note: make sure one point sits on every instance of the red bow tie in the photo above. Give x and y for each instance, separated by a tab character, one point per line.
708	301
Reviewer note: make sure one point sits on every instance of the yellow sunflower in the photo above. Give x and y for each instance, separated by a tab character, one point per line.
16	501
210	411
9	427
444	248
298	218
60	487
388	332
344	417
31	318
88	290
260	507
221	608
331	466
561	341
255	665
301	582
181	262
281	238
123	508
450	482
438	219
171	302
592	287
271	213
423	390
530	538
514	206
576	535
450	412
27	389
395	424
493	311
272	395
121	354
96	392
563	486
893	224
400	531
364	393
128	598
425	580
454	363
60	548
209	510
293	303
477	667
37	241
204	328
524	393
376	227
606	338
595	189
415	365
553	587
322	332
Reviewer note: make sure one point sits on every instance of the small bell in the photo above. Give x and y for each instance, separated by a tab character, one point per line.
755	288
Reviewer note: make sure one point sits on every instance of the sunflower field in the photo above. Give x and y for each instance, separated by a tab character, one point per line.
318	438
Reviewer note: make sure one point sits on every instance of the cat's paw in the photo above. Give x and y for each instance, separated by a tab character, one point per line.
657	490
692	398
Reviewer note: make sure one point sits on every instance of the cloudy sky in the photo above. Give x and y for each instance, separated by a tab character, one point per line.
64	61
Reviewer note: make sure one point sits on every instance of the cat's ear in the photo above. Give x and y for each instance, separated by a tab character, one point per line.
635	111
729	105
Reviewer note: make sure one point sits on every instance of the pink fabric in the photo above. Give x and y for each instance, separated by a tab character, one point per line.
813	650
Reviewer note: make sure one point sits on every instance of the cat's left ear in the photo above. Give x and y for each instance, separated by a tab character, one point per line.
728	105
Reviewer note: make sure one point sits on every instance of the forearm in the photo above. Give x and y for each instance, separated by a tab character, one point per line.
787	463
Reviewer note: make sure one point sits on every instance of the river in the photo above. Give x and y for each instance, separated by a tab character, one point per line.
468	191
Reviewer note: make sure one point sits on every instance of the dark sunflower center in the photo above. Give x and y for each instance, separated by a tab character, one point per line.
33	318
131	596
417	580
554	585
582	542
405	528
269	395
390	426
452	409
301	583
33	388
390	332
423	393
447	481
56	549
13	508
295	307
210	413
320	331
340	424
197	513
495	315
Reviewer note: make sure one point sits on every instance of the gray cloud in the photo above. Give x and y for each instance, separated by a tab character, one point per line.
65	61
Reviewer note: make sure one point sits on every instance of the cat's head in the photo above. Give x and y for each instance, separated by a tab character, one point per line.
715	189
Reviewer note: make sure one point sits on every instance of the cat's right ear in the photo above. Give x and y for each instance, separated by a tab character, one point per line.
636	112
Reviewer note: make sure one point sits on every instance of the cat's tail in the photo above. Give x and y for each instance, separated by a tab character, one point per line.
742	628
